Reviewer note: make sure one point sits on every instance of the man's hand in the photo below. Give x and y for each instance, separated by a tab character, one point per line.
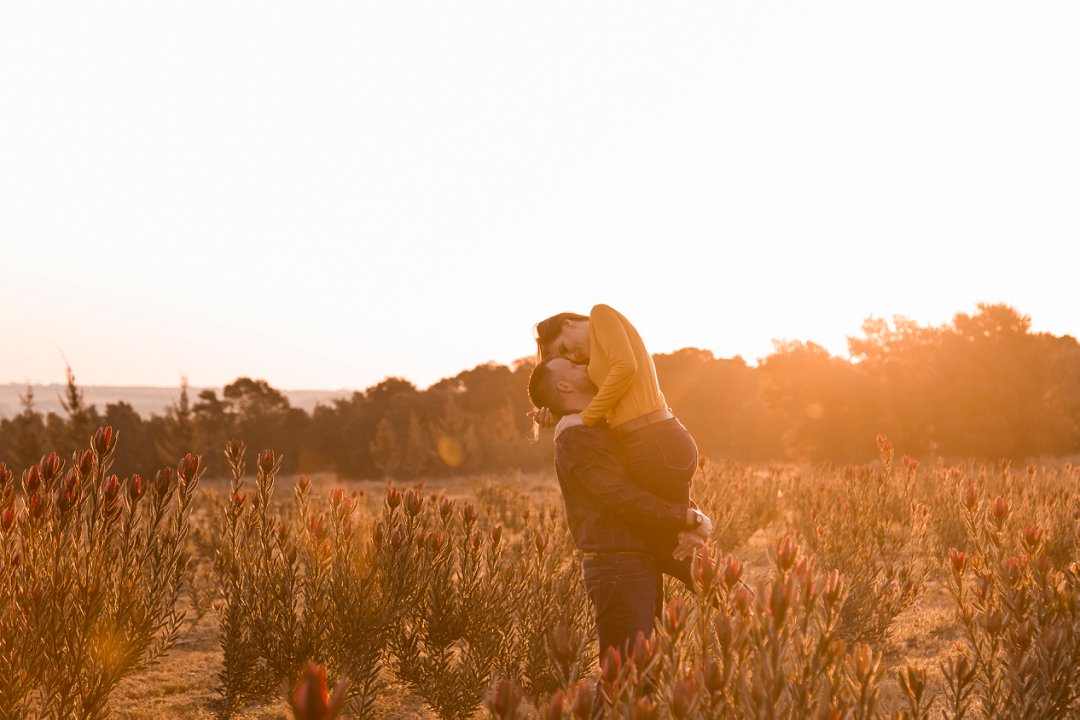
688	544
542	417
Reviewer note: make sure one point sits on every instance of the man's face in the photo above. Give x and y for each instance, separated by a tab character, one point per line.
576	374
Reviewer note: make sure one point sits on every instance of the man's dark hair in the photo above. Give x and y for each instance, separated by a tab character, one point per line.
542	390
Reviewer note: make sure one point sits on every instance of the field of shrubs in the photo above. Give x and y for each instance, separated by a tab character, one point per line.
894	589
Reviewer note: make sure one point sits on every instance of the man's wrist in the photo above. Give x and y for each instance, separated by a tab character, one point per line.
694	518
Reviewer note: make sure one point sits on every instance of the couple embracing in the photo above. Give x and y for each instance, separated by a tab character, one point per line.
624	465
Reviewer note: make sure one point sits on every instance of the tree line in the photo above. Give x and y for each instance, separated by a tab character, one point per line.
982	385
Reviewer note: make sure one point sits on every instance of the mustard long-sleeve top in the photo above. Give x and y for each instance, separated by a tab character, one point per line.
622	370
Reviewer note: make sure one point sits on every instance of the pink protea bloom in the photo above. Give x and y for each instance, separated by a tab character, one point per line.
39	506
504	701
684	697
31	480
446	509
725	631
713	674
705	569
742	598
104	441
234	450
999	511
553	709
584	698
780	599
732	572
267	461
1032	538
644	709
7	519
469	514
957	561
675	615
414	502
971	496
786	553
611	667
642	653
50	465
163	481
189	467
834	587
310	699
135	487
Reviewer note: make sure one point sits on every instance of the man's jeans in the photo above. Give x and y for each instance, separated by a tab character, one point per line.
626	590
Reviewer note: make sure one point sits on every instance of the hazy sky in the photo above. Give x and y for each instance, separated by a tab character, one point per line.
324	194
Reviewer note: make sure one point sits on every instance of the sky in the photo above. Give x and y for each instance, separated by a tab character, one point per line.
324	195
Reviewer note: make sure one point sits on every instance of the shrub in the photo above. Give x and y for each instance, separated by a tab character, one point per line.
868	525
91	568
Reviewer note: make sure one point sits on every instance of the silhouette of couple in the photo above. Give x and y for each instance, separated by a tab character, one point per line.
624	464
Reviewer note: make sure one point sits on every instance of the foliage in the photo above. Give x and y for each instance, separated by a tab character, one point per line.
91	569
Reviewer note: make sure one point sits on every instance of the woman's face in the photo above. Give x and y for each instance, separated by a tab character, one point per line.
572	342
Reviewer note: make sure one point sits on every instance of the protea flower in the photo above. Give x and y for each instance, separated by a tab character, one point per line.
414	502
957	560
786	553
504	701
684	696
189	467
584	698
553	709
104	441
310	699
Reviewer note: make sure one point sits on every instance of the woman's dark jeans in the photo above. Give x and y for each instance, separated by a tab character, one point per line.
626	591
662	459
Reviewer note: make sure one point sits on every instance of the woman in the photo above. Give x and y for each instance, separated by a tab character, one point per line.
660	454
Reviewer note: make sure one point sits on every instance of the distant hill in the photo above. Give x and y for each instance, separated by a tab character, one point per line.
147	401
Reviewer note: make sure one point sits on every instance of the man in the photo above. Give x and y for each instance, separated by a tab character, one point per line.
610	519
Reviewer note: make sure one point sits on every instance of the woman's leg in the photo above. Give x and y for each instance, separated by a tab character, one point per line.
662	459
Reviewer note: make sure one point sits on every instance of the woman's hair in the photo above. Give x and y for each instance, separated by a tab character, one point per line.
547	330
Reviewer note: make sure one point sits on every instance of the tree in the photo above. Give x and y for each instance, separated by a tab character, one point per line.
212	428
179	426
256	413
385	448
135	453
82	420
991	378
24	435
823	402
417	453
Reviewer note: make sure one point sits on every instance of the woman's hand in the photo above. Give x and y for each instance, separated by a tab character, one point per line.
688	544
543	417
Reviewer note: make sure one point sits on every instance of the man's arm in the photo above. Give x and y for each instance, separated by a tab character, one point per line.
594	464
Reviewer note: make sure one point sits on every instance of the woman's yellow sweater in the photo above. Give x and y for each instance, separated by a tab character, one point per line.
622	370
